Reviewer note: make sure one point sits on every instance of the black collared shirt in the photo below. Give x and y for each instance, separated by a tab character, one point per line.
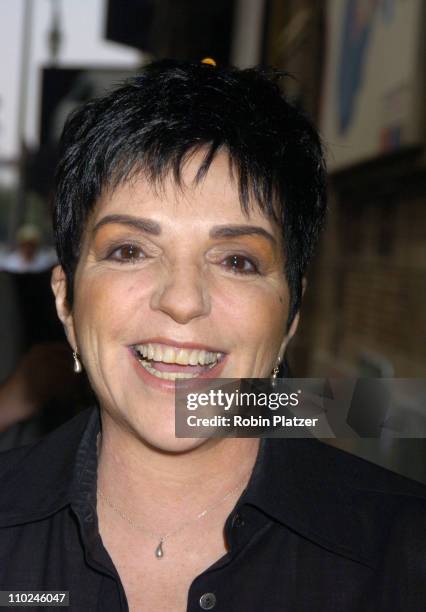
316	529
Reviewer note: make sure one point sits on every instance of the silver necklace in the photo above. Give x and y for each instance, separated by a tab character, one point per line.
159	551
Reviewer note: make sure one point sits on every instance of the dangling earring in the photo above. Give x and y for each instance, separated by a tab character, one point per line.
78	368
275	373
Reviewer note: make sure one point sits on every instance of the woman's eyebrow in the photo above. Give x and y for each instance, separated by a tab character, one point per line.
232	231
154	228
139	223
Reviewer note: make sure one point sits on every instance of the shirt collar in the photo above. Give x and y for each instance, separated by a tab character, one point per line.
328	496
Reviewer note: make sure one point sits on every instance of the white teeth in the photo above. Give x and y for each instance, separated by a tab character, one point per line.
181	356
193	358
168	375
167	356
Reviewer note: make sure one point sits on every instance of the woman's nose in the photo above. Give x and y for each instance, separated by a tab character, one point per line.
182	294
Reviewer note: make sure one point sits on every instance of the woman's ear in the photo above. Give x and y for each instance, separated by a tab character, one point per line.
294	325
289	335
59	287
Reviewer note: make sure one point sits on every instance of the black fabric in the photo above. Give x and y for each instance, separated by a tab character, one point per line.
316	529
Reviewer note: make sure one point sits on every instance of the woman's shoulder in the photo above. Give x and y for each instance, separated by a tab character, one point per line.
362	470
34	475
342	501
68	431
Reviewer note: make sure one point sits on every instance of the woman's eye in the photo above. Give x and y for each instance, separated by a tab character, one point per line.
241	264
127	253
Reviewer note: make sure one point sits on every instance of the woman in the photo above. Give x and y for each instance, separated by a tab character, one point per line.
188	205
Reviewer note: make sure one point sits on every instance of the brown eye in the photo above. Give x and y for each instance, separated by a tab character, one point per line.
127	253
240	265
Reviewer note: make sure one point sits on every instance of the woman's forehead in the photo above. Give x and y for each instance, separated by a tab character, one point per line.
214	195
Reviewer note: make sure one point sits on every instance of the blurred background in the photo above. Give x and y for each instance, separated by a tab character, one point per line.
359	71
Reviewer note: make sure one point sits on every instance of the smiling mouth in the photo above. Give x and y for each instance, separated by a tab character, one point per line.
173	363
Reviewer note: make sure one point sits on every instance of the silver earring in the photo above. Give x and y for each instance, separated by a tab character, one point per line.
274	374
78	368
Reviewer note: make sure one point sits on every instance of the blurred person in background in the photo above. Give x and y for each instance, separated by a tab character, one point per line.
28	268
38	395
38	392
188	206
29	255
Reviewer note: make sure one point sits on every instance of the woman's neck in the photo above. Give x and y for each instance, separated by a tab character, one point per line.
145	481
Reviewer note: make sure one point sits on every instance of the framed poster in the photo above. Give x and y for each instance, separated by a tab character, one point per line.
374	79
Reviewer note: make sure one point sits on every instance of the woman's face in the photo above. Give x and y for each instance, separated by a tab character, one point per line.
174	283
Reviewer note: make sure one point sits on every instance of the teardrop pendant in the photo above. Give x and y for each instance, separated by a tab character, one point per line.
78	368
159	552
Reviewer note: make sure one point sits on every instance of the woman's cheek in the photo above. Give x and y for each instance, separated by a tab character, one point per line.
258	299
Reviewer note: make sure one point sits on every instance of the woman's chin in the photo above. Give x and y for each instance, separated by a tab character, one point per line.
164	443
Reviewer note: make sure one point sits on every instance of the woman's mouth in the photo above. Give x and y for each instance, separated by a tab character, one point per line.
172	363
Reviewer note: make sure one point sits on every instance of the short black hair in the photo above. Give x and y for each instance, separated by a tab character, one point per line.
173	108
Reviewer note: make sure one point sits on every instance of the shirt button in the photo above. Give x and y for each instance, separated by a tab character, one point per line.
207	601
237	520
